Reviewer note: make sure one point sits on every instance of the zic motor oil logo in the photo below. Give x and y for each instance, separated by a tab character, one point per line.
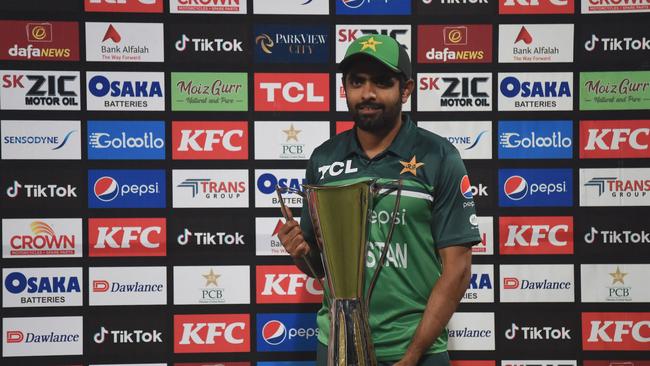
274	332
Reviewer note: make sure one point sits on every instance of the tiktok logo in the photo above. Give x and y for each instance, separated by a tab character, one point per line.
184	238
13	191
100	336
182	44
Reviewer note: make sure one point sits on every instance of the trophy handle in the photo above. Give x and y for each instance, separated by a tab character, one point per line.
382	259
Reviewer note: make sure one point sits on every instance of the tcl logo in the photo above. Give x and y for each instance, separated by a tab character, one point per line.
127	237
536	7
207	140
616	331
292	92
536	235
286	284
211	333
131	6
614	139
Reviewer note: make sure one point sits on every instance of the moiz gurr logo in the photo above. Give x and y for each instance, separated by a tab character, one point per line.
286	332
454	92
131	91
126	140
127	286
126	189
535	187
40	90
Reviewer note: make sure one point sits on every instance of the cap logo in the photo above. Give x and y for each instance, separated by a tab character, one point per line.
370	43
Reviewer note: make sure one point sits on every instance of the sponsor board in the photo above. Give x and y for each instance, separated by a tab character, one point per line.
481	288
207	6
481	185
615	187
43	140
535	235
41	238
537	283
539	362
125	91
127	237
124	42
538	43
286	363
614	139
617	44
614	6
30	5
535	139
210	188
370	7
206	91
615	363
473	139
346	34
287	332
31	189
454	44
535	187
210	140
207	236
447	7
289	140
42	336
218	363
127	286
38	287
267	180
292	92
108	334
615	331
486	231
211	285
39	90
342	103
614	283
126	140
535	91
286	285
607	235
202	43
473	363
454	92
293	7
471	332
614	90
124	6
537	334
210	333
126	188
536	6
266	236
39	41
291	43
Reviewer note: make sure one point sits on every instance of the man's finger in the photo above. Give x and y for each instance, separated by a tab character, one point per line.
286	212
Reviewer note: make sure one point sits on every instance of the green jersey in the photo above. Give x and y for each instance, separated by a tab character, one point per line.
436	210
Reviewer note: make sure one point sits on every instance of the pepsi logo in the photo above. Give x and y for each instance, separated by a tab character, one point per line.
466	187
353	4
274	332
515	187
106	189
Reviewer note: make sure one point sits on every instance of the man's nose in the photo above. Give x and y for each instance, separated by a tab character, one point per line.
368	91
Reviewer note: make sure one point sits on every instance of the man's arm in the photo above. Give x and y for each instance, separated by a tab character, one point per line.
443	301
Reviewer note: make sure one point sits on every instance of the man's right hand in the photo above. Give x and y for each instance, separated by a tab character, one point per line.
290	236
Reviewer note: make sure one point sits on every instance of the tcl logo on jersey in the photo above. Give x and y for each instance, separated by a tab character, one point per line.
124	6
452	44
126	189
346	34
615	6
615	187
267	180
40	90
535	6
535	187
41	238
210	333
614	139
454	92
42	336
33	287
292	92
125	91
127	237
207	140
286	285
615	331
535	91
39	41
286	332
536	235
208	6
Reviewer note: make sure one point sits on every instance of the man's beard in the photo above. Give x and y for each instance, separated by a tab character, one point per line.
382	122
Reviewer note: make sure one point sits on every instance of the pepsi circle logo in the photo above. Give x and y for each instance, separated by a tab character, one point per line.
515	187
274	332
106	189
465	187
353	3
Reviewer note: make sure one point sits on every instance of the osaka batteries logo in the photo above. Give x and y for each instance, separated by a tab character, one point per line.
274	332
515	187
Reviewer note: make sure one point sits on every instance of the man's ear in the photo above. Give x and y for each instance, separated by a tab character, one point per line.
408	89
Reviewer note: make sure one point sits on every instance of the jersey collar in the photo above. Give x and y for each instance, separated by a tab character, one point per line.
401	146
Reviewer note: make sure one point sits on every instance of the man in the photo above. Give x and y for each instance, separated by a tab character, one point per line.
428	264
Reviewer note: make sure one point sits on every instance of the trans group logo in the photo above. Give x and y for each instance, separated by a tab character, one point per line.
535	91
535	187
615	187
210	188
126	189
43	140
291	43
535	139
126	140
125	91
39	41
40	90
287	332
373	7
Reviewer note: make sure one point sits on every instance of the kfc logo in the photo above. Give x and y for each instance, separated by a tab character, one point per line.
124	6
614	139
615	331
536	235
292	92
287	285
208	333
536	7
127	237
210	140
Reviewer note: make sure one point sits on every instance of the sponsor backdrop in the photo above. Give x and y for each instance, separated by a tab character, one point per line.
141	141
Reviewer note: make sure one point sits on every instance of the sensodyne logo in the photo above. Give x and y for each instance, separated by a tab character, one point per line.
114	140
133	91
48	140
473	139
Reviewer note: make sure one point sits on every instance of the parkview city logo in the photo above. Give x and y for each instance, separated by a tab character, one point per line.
294	7
535	235
204	91
211	333
124	6
40	90
616	331
210	140
615	187
614	139
43	140
614	283
127	286
455	44
292	92
347	33
126	140
127	237
537	283
39	41
473	139
615	6
286	285
124	42
130	91
454	92
211	285
38	287
481	288
536	6
208	6
291	43
289	140
535	43
42	336
471	332
210	188
286	332
535	139
41	238
614	90
535	91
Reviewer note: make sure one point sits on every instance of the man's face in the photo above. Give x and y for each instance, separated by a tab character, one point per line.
373	95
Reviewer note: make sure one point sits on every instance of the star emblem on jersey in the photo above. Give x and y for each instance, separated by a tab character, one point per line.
410	166
292	133
370	43
618	276
211	278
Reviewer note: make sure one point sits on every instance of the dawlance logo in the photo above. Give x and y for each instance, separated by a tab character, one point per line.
286	284
291	92
614	139
211	333
536	235
616	331
210	140
127	237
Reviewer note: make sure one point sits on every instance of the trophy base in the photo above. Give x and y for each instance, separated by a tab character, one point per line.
350	343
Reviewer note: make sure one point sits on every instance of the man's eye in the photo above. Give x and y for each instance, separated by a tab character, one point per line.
385	83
